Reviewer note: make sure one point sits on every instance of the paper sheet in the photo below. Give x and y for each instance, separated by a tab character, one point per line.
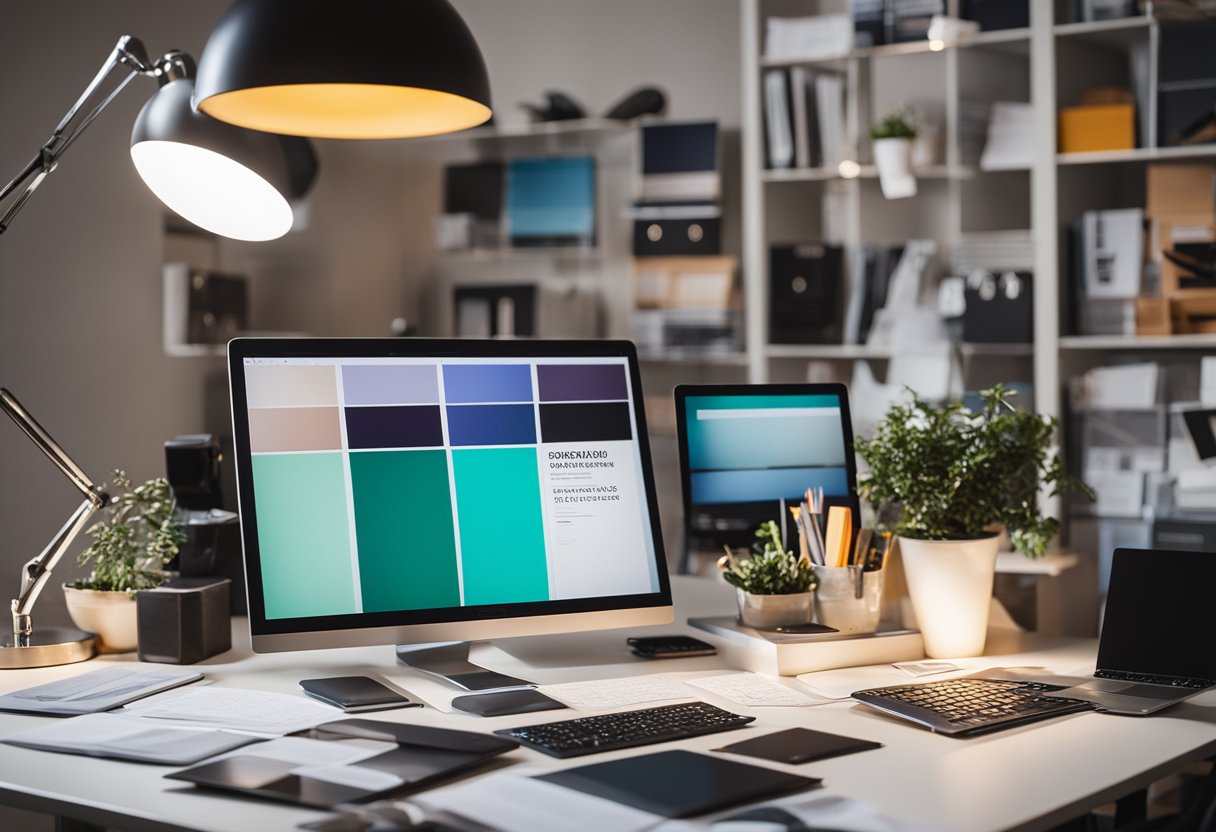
112	735
831	812
604	694
250	711
98	690
511	803
754	690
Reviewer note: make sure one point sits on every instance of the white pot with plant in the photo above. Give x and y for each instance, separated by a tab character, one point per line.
774	587
891	139
956	478
133	543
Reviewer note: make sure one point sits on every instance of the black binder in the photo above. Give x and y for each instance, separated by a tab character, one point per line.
806	297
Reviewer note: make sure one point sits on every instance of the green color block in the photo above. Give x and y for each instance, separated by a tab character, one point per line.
403	524
502	539
303	534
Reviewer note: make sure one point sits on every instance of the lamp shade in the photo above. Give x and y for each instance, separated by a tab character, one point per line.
359	69
230	181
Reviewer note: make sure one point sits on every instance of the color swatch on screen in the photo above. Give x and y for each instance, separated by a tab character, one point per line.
484	383
390	384
411	426
594	422
294	429
492	424
581	382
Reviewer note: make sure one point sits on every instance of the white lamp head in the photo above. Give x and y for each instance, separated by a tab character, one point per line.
228	180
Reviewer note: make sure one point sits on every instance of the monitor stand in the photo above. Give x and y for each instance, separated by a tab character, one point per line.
449	660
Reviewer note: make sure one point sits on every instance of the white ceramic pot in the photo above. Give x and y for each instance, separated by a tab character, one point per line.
893	158
111	615
950	584
768	612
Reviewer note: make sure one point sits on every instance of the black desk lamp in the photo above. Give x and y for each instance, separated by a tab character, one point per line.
49	645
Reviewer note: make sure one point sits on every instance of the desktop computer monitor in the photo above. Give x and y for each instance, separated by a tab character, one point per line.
396	491
745	448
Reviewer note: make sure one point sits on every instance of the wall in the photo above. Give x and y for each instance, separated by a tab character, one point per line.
80	304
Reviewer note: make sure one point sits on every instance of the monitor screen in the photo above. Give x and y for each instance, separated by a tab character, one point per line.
404	490
551	201
745	448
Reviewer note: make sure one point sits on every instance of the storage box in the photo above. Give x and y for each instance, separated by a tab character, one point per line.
184	621
677	237
1097	127
1153	316
684	283
1180	191
1194	312
999	308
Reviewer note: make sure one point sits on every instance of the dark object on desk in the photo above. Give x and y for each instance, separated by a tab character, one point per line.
799	745
192	466
670	647
644	101
557	106
806	294
184	621
355	693
506	702
423	754
679	784
628	729
971	706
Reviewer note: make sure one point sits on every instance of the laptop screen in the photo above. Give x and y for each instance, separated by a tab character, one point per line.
1158	619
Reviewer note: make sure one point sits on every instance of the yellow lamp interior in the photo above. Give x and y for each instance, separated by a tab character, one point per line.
346	111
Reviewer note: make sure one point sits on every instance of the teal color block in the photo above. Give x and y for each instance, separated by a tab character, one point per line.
303	534
502	539
403	524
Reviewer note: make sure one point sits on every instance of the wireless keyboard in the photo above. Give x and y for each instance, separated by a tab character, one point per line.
966	707
593	734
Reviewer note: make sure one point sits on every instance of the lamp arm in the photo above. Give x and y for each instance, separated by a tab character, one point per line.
128	53
36	572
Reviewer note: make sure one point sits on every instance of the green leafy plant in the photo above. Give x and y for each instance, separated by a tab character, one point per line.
897	125
770	569
957	475
137	539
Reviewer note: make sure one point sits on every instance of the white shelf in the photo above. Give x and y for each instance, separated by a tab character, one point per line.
506	254
1101	28
1138	342
1139	154
692	358
996	349
1019	38
569	127
867	172
1050	565
827	351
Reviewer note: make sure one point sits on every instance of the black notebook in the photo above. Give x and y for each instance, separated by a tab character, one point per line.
423	754
679	784
799	745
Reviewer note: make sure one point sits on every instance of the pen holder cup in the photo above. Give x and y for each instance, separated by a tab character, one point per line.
848	599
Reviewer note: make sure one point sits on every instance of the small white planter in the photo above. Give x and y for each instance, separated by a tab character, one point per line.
111	615
950	584
768	612
893	158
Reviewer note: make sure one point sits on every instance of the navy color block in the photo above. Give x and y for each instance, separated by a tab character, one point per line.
393	427
492	424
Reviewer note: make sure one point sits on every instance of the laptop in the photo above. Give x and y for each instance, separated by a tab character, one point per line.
1158	645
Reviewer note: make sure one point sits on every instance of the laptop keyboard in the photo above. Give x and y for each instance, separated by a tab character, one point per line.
1173	681
964	707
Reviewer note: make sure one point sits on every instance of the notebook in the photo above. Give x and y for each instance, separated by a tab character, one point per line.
1158	646
679	784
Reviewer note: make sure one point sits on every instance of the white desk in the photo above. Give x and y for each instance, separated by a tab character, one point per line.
1027	778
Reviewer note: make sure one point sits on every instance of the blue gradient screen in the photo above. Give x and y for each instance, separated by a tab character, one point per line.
746	449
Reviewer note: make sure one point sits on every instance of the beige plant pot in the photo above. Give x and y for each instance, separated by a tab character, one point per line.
111	615
950	584
768	612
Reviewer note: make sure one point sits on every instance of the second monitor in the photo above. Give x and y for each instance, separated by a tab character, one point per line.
745	448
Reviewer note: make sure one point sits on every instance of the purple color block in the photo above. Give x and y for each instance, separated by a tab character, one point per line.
581	382
390	383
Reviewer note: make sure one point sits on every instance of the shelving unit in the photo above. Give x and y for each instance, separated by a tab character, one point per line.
1047	65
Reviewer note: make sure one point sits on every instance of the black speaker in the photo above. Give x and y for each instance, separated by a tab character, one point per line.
806	294
677	237
184	621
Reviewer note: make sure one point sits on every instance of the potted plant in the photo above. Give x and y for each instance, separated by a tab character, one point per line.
956	478
132	544
892	140
774	587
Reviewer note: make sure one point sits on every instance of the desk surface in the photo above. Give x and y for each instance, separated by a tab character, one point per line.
1027	778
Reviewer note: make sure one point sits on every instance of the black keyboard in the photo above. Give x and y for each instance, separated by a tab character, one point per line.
965	707
593	734
1172	681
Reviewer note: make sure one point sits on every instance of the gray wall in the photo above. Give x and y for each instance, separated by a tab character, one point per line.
80	298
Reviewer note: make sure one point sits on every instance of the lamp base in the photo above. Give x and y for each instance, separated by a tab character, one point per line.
48	646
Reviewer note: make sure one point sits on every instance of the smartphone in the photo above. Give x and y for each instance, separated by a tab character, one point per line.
356	693
670	647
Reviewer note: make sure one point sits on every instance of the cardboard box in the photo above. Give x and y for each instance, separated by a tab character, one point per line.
1097	127
684	283
1195	313
1180	190
1165	233
1153	316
